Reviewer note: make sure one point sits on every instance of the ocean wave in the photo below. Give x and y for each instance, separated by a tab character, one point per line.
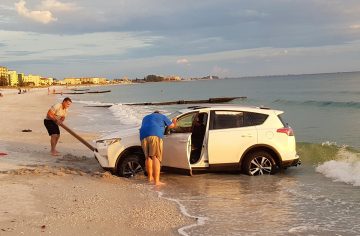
133	115
92	103
350	104
315	153
128	115
350	92
345	168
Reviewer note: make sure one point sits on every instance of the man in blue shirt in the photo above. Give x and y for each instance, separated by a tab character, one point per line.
151	134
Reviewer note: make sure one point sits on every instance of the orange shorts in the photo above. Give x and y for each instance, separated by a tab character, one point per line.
152	147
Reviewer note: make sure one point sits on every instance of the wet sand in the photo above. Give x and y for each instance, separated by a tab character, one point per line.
69	194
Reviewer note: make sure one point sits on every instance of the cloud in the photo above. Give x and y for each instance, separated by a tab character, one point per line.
354	26
5	7
248	13
4	19
219	71
44	17
105	45
57	5
183	61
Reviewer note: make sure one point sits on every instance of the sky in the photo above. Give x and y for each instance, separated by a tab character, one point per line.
188	38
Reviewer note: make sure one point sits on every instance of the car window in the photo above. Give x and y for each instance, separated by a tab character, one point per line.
184	123
236	119
174	114
253	118
228	119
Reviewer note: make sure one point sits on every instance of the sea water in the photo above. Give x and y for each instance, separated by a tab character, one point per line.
321	197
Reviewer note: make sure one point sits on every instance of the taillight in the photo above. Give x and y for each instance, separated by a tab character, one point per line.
286	130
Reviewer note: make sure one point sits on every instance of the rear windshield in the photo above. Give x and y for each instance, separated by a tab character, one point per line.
283	121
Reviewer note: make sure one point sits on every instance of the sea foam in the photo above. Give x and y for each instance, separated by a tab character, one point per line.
346	168
128	115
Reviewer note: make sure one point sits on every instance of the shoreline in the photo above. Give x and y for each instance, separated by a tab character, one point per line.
70	194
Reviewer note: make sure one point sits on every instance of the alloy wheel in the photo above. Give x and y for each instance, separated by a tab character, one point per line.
260	166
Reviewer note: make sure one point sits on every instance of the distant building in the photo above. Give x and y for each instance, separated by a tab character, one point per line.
72	81
158	78
21	79
87	80
123	80
4	76
13	78
173	78
31	80
46	81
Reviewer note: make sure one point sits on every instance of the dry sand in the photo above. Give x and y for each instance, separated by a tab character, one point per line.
69	194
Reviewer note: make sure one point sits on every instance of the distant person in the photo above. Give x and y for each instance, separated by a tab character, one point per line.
55	116
1	95
19	90
151	134
48	90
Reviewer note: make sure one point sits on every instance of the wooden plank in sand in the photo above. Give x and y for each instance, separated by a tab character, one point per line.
104	91
210	100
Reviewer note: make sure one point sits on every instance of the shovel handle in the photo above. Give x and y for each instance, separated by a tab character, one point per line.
92	148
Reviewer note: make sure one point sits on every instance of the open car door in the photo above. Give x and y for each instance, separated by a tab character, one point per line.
177	145
176	153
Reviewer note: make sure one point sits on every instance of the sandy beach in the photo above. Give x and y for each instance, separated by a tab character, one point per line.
69	194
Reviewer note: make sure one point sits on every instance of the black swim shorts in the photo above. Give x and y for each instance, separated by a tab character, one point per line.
51	127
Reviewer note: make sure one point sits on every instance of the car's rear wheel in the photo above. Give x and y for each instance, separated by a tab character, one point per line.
259	163
131	165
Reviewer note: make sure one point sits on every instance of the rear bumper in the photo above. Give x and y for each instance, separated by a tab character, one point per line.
294	162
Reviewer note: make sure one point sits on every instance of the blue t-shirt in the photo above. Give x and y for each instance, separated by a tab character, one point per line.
154	125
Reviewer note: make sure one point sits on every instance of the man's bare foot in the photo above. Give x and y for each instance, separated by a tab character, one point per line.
151	180
55	154
159	183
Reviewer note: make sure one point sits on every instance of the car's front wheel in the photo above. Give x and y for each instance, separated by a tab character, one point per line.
259	163
131	165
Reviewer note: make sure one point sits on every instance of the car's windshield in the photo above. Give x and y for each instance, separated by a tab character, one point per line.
174	114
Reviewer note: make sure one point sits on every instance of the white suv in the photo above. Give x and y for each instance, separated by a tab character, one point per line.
209	138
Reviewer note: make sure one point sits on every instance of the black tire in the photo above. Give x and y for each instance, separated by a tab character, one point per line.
131	165
259	163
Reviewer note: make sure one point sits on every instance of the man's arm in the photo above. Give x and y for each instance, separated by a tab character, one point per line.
52	116
173	124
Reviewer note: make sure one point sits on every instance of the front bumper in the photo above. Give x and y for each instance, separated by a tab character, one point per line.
103	161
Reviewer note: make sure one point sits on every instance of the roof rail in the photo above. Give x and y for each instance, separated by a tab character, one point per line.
263	107
196	107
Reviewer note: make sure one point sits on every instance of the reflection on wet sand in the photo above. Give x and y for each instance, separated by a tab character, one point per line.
294	202
236	203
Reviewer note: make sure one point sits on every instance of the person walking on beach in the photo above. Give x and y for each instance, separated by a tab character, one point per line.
55	116
151	134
